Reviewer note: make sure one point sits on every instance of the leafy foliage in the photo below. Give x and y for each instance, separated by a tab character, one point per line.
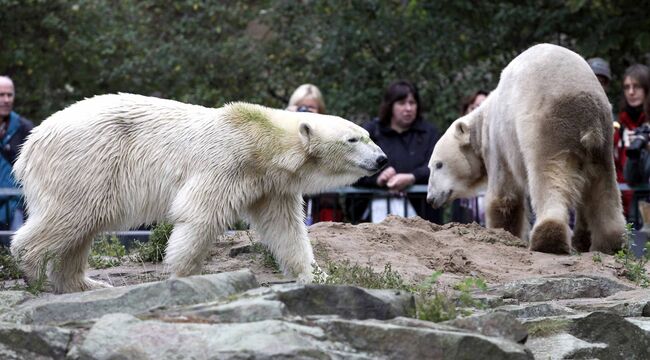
154	249
267	257
210	53
634	268
9	269
431	304
107	251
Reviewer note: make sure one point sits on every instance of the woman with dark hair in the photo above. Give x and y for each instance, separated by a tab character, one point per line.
636	87
407	140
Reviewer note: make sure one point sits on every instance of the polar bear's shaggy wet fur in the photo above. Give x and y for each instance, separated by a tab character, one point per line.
545	132
117	161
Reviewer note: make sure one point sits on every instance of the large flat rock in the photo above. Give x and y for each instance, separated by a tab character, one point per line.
133	299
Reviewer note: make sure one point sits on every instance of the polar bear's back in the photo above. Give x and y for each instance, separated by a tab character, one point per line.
549	98
114	149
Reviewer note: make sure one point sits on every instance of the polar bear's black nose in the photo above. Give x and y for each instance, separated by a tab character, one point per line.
382	160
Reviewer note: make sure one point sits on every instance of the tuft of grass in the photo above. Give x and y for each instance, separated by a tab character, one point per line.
597	258
267	258
9	269
431	304
240	225
362	276
154	249
548	327
107	251
466	286
633	267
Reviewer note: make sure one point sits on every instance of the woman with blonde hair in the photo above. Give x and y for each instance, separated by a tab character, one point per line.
307	97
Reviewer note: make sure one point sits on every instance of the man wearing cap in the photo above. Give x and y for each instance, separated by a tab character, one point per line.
600	67
13	131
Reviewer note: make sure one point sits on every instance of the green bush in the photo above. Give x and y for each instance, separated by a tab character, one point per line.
9	269
154	249
431	305
107	251
268	260
634	268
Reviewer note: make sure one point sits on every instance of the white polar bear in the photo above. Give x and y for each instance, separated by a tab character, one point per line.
544	132
117	161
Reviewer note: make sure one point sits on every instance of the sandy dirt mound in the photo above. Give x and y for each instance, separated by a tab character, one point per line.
414	247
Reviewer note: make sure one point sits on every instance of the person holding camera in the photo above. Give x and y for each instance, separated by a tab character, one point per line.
636	86
307	97
637	166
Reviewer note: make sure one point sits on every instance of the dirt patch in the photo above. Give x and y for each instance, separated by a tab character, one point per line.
414	247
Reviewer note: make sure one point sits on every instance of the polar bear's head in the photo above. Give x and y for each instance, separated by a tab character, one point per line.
456	165
339	146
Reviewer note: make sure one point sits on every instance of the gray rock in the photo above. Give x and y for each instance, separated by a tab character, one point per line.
559	287
643	323
244	310
33	342
534	310
392	341
117	336
9	299
131	299
624	303
561	346
346	301
497	324
624	339
122	336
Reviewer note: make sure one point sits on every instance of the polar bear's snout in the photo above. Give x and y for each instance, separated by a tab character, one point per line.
381	161
438	199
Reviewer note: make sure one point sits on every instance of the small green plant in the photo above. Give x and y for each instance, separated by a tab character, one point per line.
597	258
436	307
431	305
9	269
466	286
633	267
267	258
154	249
362	276
240	225
107	251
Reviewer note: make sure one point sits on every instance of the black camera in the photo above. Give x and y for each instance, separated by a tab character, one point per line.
642	135
303	109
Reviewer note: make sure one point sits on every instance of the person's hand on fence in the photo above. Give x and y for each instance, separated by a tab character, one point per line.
385	176
400	182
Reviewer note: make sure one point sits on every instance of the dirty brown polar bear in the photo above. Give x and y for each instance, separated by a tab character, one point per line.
544	132
117	161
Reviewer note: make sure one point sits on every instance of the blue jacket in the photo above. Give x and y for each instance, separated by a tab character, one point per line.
17	130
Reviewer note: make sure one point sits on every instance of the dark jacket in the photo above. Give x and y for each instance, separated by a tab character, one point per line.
407	152
637	171
17	129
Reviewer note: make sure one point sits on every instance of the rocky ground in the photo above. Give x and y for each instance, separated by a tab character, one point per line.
535	306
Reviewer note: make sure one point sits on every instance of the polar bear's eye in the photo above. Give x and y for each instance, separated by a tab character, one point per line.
353	140
439	165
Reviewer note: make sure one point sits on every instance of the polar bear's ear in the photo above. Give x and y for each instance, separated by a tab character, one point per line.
306	132
462	133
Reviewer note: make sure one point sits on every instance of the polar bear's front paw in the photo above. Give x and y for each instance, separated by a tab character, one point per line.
305	278
317	276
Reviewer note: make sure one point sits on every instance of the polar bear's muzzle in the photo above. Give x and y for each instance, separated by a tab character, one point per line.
378	164
439	199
